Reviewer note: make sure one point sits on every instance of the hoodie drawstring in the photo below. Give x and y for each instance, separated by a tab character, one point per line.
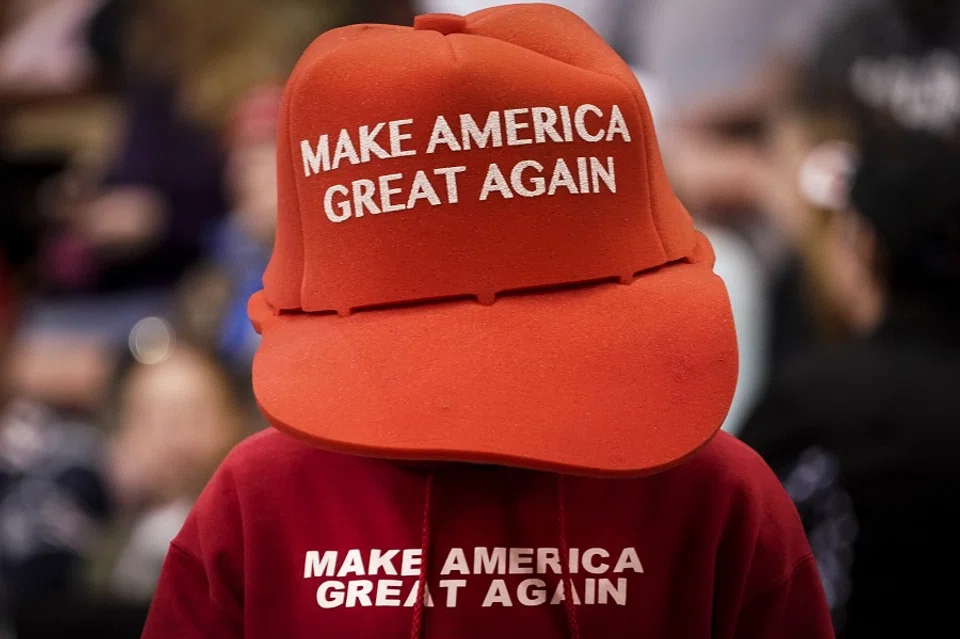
416	628
568	603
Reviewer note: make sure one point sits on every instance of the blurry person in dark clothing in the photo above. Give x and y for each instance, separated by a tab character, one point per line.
122	236
125	233
52	494
185	65
864	434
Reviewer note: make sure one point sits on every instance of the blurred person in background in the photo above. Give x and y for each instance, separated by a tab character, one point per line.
864	433
175	421
187	64
212	299
53	495
125	232
43	47
6	328
722	69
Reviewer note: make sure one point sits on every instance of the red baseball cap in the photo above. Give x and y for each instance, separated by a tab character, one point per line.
479	258
254	117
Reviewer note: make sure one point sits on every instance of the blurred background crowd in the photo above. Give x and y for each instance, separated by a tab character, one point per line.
814	141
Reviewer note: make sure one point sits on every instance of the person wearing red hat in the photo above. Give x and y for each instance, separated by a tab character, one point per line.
212	298
496	358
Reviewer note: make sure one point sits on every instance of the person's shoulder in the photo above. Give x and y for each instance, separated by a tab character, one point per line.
760	549
265	444
727	459
738	480
271	453
271	462
260	474
745	502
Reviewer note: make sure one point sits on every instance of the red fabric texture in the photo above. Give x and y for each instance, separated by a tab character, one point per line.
712	548
609	379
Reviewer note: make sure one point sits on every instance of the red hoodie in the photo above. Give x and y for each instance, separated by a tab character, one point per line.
290	541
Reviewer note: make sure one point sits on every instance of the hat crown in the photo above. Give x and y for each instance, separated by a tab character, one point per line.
511	151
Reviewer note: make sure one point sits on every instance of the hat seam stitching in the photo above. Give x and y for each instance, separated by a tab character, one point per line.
293	90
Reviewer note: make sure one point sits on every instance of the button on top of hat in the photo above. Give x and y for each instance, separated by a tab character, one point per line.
445	23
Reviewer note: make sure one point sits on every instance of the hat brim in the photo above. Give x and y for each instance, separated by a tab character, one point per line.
609	379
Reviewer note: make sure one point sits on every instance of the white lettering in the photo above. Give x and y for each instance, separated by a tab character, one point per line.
558	594
456	562
532	592
486	563
352	564
328	204
386	192
584	177
410	566
412	597
388	592
330	594
548	558
315	566
442	134
590	591
392	591
579	121
562	177
589	566
520	560
397	138
628	559
566	123
516	179
451	586
363	191
422	190
544	124
512	126
521	126
450	173
382	561
358	591
368	143
344	150
313	161
495	182
617	125
497	594
618	594
598	173
491	131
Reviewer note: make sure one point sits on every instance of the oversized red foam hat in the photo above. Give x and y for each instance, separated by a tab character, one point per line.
479	258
